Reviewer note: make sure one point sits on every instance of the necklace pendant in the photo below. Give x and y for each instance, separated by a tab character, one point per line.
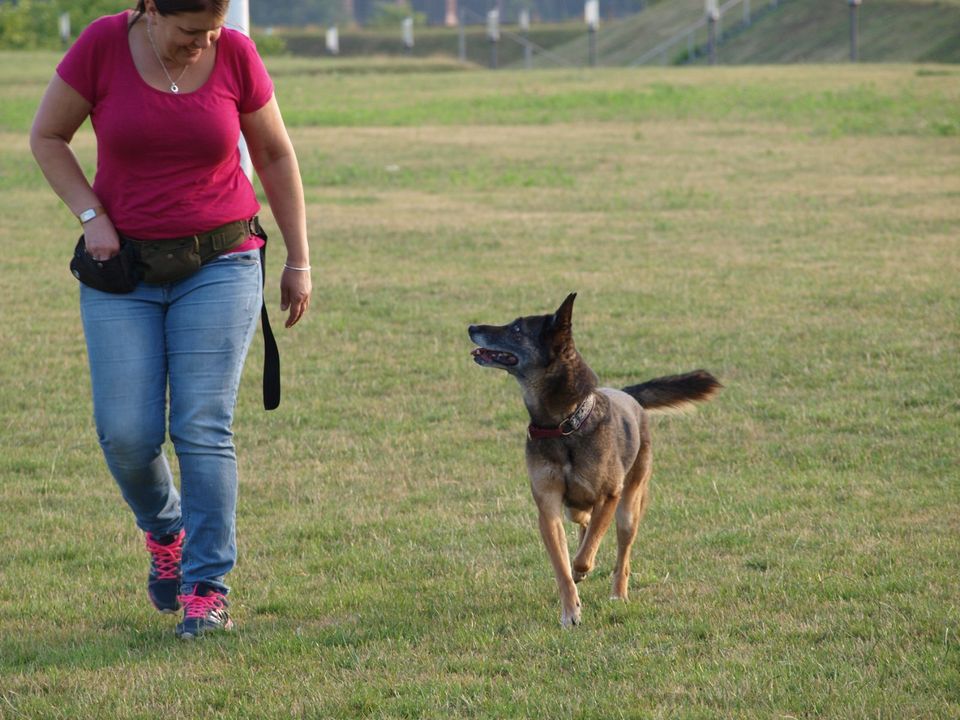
174	88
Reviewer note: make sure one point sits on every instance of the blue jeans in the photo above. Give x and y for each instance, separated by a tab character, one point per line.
191	336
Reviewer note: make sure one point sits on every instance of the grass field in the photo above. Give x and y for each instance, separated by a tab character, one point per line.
795	230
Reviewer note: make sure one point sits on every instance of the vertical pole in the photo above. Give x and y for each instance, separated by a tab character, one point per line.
451	16
493	34
63	25
591	13
238	17
525	34
406	29
713	15
462	36
712	40
333	40
854	30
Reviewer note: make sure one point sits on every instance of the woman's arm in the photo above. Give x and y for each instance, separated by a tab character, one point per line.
62	110
276	164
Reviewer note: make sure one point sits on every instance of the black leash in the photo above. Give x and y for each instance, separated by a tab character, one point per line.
271	354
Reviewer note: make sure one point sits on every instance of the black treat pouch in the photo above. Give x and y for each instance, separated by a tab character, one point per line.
119	274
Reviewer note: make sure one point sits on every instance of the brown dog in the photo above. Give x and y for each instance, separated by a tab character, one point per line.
588	448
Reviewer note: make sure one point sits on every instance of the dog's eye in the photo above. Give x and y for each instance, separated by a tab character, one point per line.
516	328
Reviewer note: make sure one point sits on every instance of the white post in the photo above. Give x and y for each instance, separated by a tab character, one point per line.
854	30
523	20
713	17
406	30
591	14
64	27
238	17
493	35
333	40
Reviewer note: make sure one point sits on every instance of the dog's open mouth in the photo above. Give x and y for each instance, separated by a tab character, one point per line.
485	356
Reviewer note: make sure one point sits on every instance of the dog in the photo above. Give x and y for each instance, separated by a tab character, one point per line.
588	447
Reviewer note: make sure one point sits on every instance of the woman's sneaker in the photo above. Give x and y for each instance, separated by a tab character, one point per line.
204	611
163	582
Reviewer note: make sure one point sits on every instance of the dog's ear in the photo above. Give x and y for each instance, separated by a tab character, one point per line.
560	324
563	317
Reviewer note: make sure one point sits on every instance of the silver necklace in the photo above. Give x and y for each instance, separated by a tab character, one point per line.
174	88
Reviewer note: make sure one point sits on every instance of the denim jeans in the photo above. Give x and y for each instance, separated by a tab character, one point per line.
192	337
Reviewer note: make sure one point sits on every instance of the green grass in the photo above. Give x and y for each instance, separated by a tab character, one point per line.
794	230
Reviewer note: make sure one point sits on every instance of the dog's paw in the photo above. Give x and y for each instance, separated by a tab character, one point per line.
569	622
580	570
570	618
620	589
579	575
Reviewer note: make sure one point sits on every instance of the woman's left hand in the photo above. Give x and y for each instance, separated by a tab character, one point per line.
295	290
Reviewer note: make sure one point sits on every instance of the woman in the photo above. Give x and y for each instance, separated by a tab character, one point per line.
168	90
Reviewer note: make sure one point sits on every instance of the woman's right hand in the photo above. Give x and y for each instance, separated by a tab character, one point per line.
100	238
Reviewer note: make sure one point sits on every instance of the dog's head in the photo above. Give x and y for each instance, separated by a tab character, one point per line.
528	344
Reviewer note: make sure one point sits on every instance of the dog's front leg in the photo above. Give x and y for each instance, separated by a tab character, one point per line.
555	539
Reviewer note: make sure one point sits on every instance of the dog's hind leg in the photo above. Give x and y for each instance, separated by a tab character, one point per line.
581	518
630	511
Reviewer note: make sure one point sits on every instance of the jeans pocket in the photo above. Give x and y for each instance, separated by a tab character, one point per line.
244	257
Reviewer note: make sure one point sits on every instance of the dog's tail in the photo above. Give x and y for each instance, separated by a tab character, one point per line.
675	392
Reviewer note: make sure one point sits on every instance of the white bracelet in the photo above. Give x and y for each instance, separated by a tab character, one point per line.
297	269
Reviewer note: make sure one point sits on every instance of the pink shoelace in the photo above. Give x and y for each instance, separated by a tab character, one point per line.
199	606
166	558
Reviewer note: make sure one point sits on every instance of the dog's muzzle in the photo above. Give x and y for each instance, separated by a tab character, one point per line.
485	356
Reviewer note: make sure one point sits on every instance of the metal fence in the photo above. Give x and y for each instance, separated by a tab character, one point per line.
697	40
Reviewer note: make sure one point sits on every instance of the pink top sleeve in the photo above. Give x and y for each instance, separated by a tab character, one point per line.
79	68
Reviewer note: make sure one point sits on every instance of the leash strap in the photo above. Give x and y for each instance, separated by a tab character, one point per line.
271	354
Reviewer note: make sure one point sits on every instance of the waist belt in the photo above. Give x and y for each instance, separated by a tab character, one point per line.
173	259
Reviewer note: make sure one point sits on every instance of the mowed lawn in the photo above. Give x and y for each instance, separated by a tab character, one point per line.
794	230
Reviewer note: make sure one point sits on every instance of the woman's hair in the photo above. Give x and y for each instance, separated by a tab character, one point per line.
175	7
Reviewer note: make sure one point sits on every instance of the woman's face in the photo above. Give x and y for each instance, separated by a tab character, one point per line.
184	37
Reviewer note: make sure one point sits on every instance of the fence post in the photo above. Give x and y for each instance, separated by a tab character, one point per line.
591	13
713	15
332	40
407	29
854	30
493	34
524	22
63	25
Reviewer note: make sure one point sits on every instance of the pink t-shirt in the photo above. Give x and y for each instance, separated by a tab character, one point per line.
167	164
